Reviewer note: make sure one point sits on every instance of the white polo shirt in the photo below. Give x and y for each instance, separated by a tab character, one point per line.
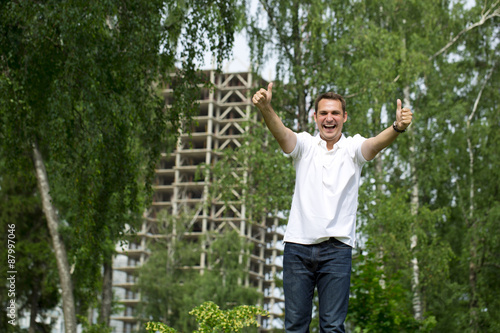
325	199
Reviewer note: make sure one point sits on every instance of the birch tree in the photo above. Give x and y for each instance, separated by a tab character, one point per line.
470	192
77	95
36	289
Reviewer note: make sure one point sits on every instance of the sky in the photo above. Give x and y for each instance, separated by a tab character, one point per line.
240	61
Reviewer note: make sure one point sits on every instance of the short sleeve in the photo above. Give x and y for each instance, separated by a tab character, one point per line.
357	142
297	152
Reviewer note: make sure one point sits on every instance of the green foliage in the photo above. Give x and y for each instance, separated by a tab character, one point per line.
93	328
36	278
460	177
379	303
211	318
381	282
79	79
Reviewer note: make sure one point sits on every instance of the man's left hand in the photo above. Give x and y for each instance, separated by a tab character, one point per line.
403	116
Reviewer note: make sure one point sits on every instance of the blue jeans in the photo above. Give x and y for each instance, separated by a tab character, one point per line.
326	265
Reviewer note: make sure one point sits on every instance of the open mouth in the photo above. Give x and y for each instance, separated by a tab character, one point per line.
332	126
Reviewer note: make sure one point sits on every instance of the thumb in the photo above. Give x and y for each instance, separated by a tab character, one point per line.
270	88
398	105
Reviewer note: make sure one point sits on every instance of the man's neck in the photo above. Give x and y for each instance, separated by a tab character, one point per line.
331	143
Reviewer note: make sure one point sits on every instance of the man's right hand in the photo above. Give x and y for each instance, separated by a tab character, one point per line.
262	98
286	138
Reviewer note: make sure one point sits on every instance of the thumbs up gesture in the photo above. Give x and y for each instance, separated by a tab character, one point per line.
403	116
262	98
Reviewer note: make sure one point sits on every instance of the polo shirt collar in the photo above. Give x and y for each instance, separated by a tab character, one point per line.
322	143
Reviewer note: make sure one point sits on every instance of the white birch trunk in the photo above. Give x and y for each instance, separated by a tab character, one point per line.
57	243
414	204
107	292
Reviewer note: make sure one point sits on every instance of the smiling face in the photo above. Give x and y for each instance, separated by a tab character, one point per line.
330	119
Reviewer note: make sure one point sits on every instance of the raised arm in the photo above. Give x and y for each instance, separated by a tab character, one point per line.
286	138
372	146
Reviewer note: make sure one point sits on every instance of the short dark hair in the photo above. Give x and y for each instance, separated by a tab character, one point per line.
332	96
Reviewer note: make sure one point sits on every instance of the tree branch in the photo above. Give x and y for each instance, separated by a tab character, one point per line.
476	102
491	264
485	16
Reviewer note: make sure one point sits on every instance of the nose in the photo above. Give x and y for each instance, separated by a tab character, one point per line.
329	117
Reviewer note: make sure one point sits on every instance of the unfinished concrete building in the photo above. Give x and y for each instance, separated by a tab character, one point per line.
220	124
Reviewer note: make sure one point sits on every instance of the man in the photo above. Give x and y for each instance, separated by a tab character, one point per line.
321	228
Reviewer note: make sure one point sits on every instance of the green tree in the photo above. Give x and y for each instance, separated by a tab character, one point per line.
433	86
381	307
467	130
36	288
410	37
78	96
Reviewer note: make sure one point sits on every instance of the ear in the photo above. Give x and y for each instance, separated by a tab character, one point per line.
345	116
